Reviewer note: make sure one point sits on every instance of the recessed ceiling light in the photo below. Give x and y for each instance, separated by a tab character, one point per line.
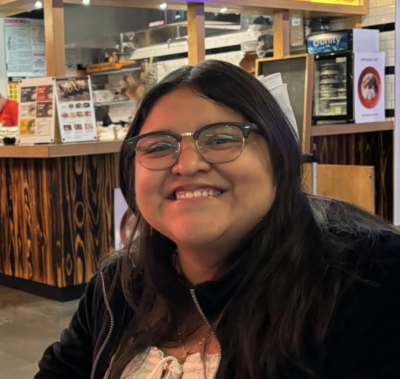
86	2
163	6
223	10
38	4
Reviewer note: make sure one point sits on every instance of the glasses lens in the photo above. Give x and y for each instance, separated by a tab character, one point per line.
221	143
157	152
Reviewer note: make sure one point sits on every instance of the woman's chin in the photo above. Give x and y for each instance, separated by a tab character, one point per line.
196	235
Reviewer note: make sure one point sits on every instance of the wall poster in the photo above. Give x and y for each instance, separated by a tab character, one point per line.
75	110
369	87
36	111
25	47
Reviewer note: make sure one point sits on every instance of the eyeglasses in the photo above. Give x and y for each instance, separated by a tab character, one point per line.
217	143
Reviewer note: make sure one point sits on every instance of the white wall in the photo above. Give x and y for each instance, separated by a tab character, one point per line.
396	139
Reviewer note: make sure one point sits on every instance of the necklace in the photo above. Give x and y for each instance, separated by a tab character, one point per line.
187	352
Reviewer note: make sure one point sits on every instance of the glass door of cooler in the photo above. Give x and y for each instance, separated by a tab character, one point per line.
333	92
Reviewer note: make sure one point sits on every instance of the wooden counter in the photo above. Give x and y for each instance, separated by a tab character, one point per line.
60	150
56	212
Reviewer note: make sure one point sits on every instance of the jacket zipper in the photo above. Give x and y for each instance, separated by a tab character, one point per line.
196	302
110	331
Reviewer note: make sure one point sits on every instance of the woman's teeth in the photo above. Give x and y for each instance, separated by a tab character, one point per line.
197	193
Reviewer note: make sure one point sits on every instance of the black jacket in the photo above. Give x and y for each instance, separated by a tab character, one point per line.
363	341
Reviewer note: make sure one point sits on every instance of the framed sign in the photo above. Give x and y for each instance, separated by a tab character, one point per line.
297	73
76	114
36	114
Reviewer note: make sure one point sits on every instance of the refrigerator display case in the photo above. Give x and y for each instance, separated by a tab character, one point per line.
334	92
333	87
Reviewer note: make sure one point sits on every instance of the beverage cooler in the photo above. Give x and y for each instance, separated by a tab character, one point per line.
335	92
333	88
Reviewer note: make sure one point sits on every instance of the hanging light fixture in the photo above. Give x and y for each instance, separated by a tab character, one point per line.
163	6
86	2
38	5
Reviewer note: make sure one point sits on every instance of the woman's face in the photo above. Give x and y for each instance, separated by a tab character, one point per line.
246	185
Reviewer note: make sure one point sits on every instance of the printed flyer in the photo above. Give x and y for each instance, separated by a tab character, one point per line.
36	111
75	108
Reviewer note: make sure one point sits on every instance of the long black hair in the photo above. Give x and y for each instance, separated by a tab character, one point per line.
285	277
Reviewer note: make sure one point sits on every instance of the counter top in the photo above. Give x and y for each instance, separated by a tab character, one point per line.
60	150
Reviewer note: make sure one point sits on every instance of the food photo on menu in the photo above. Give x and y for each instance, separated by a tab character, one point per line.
44	93
369	87
27	127
44	110
78	127
73	90
28	94
68	128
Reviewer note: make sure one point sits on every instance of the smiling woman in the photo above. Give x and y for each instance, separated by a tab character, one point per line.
233	272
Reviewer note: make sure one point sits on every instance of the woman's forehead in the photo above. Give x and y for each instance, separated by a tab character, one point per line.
183	107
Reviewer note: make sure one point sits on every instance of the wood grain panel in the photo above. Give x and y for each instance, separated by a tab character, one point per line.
352	184
58	215
367	149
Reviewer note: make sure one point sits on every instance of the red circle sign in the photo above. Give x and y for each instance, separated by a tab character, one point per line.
369	87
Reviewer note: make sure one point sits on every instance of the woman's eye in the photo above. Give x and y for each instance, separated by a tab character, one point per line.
219	140
159	148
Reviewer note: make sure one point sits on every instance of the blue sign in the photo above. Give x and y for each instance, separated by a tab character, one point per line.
328	42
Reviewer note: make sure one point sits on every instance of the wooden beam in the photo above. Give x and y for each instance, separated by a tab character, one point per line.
281	34
196	33
310	9
54	37
354	22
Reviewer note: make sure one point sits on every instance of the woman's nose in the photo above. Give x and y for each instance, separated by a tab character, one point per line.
190	161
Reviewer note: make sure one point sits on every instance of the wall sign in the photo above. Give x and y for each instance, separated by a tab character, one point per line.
369	87
25	47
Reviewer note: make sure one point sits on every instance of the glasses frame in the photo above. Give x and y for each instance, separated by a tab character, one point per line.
245	128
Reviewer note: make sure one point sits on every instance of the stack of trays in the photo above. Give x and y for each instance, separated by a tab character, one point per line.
330	73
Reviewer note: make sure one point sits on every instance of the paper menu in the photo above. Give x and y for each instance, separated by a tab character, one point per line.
25	47
36	111
75	109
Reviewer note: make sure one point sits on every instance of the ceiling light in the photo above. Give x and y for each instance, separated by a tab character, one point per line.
86	2
224	10
163	6
38	4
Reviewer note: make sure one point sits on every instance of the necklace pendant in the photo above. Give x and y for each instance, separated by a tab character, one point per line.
183	357
189	352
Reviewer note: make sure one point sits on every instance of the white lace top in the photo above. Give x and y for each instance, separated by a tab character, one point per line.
152	364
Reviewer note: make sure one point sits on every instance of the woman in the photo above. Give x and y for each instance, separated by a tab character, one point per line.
236	273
